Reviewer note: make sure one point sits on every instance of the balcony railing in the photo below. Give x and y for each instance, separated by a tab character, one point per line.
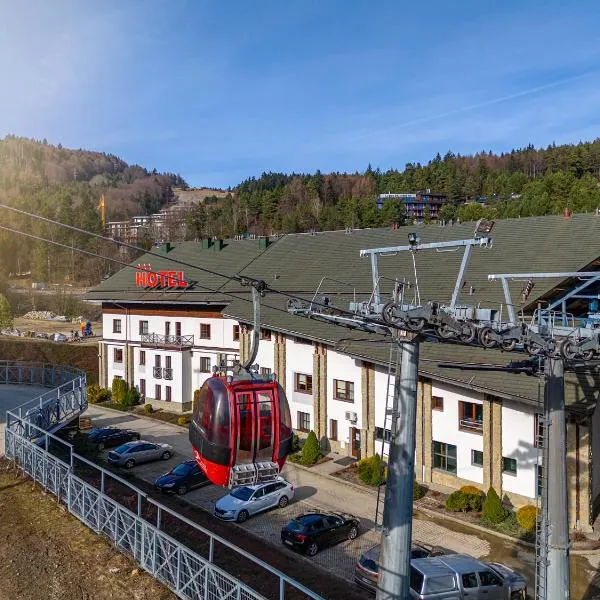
156	340
168	373
157	372
471	425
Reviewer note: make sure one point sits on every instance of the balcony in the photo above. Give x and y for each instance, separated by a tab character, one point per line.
178	342
167	373
470	425
157	372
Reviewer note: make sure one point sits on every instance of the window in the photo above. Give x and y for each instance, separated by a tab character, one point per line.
204	331
204	364
488	578
303	421
469	580
380	434
343	390
509	465
303	383
437	403
143	387
178	328
143	327
116	325
538	431
118	355
477	458
236	333
265	371
157	360
265	334
142	357
539	475
167	362
168	393
470	417
167	328
157	392
444	457
332	429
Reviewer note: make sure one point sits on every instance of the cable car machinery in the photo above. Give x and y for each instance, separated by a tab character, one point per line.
544	336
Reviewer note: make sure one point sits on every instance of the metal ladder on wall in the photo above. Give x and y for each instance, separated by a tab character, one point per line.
388	425
542	525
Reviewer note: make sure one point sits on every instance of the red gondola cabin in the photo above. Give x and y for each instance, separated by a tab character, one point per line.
245	422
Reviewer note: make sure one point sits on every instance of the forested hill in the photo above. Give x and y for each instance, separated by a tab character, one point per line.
523	182
31	168
66	184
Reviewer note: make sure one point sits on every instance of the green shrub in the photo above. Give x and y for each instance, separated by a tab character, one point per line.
311	452
295	443
493	511
471	489
527	518
131	397
6	316
119	391
148	408
457	502
97	394
183	420
418	490
371	470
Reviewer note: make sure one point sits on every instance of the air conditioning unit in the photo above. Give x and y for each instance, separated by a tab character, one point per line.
351	416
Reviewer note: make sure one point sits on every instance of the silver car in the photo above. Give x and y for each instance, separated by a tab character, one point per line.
248	500
134	453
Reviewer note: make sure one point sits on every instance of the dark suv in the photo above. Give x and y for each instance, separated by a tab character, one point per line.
366	571
107	437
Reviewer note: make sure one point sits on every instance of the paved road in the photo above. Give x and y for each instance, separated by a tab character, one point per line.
12	396
312	491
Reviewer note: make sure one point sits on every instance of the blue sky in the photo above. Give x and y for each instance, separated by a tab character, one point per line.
221	91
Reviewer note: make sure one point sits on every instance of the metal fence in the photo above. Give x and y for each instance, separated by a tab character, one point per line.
139	535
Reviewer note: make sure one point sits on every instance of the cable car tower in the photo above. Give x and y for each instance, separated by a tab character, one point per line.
407	324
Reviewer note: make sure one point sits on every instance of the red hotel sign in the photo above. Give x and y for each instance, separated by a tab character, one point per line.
146	277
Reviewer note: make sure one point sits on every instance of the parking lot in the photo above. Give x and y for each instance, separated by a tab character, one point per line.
312	491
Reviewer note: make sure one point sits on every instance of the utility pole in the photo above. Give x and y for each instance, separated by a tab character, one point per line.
557	553
396	538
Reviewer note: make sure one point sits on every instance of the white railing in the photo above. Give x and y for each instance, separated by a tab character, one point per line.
53	463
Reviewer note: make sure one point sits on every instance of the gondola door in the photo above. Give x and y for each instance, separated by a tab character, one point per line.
245	413
255	413
265	413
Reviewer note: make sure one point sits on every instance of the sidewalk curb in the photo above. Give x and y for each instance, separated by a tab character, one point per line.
442	517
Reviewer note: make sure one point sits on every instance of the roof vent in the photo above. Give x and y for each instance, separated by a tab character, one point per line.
206	243
166	247
263	242
218	245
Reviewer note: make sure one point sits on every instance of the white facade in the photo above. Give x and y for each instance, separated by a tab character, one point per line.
213	339
446	428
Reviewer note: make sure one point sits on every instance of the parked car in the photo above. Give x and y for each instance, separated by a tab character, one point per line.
514	582
108	437
459	576
134	453
366	570
182	478
248	500
310	532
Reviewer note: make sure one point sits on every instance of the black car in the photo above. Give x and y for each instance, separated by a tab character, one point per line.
107	437
312	531
182	478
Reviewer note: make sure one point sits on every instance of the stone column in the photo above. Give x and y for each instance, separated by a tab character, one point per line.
427	430
487	443
244	342
578	465
367	432
102	372
585	475
320	390
495	438
279	360
129	365
419	441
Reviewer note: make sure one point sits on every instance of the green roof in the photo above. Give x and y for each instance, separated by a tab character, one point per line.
297	264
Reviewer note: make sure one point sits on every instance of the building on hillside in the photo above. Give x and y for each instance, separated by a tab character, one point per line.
479	428
419	206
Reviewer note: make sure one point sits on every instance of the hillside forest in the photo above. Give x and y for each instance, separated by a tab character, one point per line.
66	185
